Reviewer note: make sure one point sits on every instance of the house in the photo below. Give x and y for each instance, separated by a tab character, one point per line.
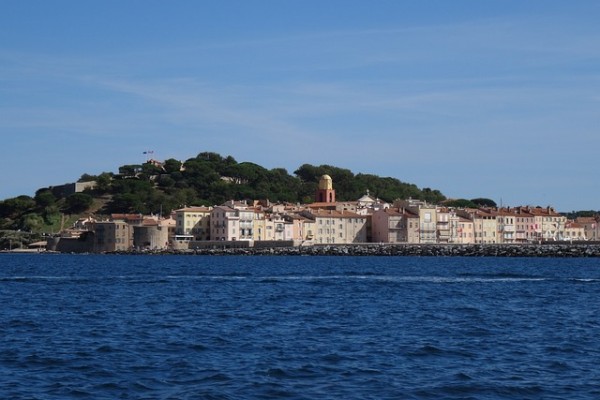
574	231
394	225
193	222
337	227
224	223
111	236
484	224
506	225
548	224
465	233
524	226
590	227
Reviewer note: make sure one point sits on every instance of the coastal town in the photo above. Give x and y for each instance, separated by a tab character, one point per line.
259	223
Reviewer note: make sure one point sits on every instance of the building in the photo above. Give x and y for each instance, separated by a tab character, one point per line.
230	224
443	226
111	236
224	223
337	227
524	226
574	231
485	226
428	224
465	231
193	222
590	227
325	191
152	234
548	224
394	225
506	224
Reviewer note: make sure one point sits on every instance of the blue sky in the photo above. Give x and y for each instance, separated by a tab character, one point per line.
497	99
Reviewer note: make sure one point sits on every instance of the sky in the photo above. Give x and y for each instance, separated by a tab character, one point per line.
496	99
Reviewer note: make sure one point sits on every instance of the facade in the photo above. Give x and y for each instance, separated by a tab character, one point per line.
110	236
524	226
335	227
465	231
548	224
246	223
506	223
574	231
394	225
427	224
193	221
259	226
487	223
485	226
443	227
224	223
151	235
590	226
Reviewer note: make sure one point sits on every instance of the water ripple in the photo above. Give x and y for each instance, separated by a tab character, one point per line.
298	328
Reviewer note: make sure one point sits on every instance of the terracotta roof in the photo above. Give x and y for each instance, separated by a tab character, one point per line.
195	209
586	220
573	225
335	214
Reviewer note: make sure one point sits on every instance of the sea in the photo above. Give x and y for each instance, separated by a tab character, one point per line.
298	327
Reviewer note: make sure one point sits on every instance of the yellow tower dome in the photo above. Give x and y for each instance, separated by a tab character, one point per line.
326	183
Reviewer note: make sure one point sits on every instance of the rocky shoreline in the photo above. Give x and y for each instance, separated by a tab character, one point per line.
420	250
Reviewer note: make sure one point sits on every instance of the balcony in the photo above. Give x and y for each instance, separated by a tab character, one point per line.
507	228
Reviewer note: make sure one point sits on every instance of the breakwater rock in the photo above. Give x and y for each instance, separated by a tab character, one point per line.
423	250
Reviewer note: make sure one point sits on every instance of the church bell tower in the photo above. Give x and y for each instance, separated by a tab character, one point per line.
325	193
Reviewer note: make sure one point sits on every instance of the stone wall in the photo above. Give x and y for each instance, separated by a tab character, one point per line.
423	250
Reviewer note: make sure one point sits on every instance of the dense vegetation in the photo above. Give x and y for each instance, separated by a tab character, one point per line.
207	179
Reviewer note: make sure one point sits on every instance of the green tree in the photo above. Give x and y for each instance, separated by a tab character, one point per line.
172	165
103	182
483	202
51	214
460	203
31	222
44	198
78	202
130	170
148	169
87	178
13	207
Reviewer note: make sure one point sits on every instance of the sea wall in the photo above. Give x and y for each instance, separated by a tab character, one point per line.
422	250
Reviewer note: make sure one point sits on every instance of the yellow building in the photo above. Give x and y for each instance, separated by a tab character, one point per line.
574	231
193	221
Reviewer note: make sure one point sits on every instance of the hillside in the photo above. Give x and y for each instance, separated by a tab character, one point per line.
207	179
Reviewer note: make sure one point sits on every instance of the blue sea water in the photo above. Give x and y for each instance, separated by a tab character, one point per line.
202	327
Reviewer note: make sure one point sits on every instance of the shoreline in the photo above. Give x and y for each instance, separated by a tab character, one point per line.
565	250
548	250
